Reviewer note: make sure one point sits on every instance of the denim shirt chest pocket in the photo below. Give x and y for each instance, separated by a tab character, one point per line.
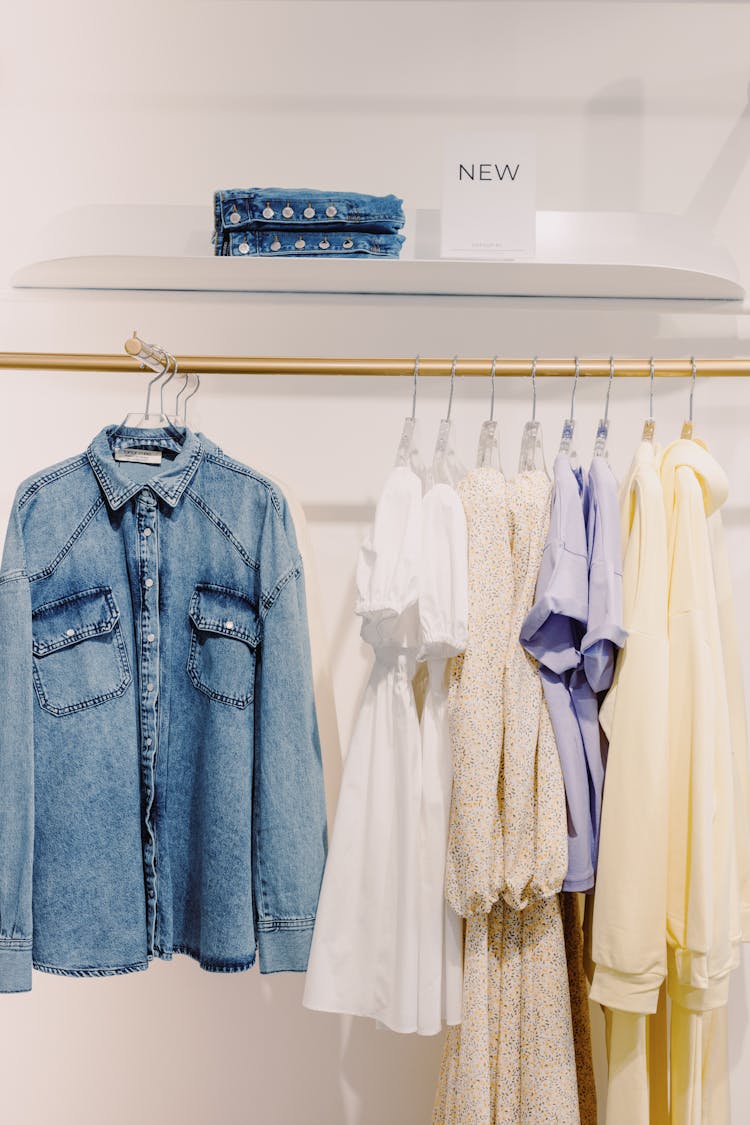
225	634
80	658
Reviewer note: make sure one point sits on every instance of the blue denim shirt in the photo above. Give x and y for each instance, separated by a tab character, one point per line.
161	785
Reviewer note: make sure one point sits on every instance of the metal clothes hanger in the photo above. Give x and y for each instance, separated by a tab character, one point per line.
602	430
488	453
532	447
569	425
407	455
446	468
687	425
648	425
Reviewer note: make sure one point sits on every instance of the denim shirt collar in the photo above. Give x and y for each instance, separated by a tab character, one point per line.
169	484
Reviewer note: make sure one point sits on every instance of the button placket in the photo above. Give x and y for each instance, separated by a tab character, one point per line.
149	680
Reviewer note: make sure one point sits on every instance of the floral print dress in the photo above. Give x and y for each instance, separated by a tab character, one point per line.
512	1058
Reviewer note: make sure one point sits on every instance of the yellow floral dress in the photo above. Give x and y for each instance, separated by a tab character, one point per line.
512	1059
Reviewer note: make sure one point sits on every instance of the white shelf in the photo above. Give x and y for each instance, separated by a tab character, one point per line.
579	254
434	277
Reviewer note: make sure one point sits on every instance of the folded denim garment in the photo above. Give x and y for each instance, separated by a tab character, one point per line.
312	244
302	209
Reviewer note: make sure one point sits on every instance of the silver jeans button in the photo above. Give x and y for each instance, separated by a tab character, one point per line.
309	212
287	212
331	211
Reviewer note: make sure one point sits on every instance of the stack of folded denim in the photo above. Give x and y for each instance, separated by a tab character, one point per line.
302	223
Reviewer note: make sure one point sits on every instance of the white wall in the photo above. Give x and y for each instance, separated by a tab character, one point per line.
635	105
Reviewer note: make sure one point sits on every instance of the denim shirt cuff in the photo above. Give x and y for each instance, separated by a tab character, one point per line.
284	950
15	969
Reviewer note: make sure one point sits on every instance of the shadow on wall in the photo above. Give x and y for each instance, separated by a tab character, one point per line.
617	179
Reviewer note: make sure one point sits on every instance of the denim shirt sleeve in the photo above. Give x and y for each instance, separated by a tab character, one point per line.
289	814
16	766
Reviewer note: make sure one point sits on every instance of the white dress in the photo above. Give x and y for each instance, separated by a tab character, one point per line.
443	613
365	952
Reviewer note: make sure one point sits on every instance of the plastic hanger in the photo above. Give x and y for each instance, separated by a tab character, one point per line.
194	392
687	425
602	430
488	453
446	468
175	417
648	425
532	446
147	420
569	425
407	454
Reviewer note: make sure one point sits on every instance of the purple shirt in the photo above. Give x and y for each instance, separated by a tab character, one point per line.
573	630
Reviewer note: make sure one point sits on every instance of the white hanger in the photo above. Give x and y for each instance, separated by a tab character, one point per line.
446	468
648	425
532	447
602	430
407	454
569	425
488	453
687	425
147	420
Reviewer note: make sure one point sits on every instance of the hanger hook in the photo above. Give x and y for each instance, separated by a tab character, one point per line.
414	390
197	378
170	377
180	393
609	387
651	388
492	388
533	389
575	387
450	395
692	385
164	357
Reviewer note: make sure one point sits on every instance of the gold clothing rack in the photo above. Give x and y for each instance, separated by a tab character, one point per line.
376	365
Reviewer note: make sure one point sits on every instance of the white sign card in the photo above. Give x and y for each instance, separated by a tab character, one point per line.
489	196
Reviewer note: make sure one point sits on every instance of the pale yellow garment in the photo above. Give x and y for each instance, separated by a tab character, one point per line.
703	928
737	718
629	908
706	841
628	941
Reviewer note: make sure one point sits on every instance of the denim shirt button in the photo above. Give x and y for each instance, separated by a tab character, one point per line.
300	244
149	687
324	244
147	531
287	212
149	583
234	217
150	638
309	212
229	624
347	243
268	212
276	245
331	210
149	741
244	248
70	632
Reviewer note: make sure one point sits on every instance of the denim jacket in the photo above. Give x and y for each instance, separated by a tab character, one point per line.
161	785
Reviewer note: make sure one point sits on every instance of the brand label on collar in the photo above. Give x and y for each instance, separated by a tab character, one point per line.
142	456
489	196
